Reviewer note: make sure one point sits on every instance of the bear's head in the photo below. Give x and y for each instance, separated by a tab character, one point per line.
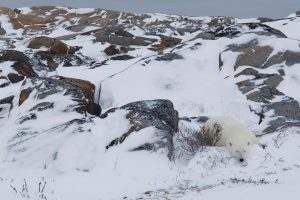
239	147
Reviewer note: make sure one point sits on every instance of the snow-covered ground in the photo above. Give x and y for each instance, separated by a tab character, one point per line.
62	163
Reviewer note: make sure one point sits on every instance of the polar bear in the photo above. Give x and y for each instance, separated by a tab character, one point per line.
233	135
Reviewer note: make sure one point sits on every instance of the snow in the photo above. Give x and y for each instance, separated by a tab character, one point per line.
290	26
76	165
291	84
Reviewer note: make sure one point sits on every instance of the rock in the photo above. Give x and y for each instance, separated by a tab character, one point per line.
246	86
22	63
4	84
122	57
55	46
273	81
264	19
165	42
105	36
298	13
111	50
264	94
151	113
81	92
76	28
168	41
169	57
254	56
6	11
52	61
93	108
2	30
42	106
7	100
248	72
226	30
59	48
123	33
215	21
15	78
205	36
41	41
288	57
24	95
288	108
259	57
30	116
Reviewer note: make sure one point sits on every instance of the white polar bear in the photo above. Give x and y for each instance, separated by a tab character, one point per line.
233	135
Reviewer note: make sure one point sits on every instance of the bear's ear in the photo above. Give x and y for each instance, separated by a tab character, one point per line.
230	144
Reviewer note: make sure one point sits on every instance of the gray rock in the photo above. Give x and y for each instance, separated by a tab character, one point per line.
264	94
298	13
122	57
258	57
233	30
287	108
42	106
7	100
2	31
156	113
246	86
76	28
273	81
105	36
111	50
247	72
206	36
254	56
169	57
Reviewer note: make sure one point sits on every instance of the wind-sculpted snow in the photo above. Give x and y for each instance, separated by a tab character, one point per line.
93	101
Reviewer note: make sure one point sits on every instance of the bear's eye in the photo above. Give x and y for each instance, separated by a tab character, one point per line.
230	144
248	143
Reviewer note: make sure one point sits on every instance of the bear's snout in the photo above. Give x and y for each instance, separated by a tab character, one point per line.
241	159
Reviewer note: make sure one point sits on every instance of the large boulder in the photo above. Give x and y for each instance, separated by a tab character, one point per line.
80	91
150	113
260	56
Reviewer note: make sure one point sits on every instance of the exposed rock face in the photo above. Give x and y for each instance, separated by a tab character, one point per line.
261	87
81	92
142	114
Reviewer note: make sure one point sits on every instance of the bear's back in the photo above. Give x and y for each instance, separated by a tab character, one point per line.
229	128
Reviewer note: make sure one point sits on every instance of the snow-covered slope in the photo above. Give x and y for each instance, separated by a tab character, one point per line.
92	104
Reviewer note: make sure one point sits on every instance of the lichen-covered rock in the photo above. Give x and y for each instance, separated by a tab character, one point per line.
151	113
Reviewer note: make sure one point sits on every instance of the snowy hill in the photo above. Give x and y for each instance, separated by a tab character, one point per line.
92	104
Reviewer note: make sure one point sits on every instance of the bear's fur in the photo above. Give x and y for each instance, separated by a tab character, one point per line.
233	135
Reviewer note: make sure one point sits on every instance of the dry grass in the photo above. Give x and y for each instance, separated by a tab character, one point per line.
190	141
